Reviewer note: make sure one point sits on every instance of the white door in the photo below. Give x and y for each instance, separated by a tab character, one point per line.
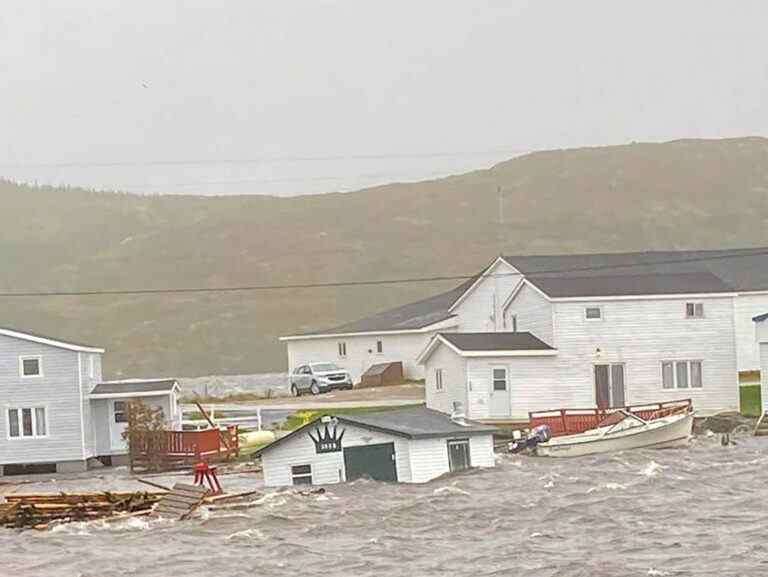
118	421
499	405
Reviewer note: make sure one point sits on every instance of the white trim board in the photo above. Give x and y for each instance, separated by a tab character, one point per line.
131	394
50	342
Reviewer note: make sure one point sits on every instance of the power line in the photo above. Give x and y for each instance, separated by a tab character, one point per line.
377	282
263	159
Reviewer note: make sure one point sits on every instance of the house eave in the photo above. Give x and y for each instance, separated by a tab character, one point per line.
51	342
425	329
664	296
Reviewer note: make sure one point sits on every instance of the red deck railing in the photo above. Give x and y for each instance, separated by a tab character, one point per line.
572	421
184	446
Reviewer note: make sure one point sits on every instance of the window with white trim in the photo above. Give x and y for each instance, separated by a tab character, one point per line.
379	346
438	379
301	474
342	349
682	375
694	310
31	366
510	322
27	423
92	367
593	313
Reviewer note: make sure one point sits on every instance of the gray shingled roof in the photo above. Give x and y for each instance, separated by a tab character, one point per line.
739	269
412	423
134	387
415	315
630	284
521	341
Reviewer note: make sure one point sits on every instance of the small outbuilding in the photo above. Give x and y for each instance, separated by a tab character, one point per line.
382	375
412	445
761	332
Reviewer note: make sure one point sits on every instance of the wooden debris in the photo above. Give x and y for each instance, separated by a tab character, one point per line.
39	510
181	502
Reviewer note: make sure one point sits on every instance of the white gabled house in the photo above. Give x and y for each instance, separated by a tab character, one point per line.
56	411
627	328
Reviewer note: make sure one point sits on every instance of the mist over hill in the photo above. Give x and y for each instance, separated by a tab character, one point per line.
683	194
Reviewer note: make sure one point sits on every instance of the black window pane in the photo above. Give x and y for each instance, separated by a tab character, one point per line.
301	470
31	367
302	480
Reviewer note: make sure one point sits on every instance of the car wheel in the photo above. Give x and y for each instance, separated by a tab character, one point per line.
295	391
314	389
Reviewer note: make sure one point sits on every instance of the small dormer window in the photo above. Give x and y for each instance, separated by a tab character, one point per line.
31	366
694	310
593	313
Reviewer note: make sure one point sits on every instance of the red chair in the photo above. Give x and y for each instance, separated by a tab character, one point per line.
206	474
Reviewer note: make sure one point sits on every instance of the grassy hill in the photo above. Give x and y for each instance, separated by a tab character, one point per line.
682	194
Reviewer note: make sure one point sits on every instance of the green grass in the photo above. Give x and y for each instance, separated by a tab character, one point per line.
300	418
749	400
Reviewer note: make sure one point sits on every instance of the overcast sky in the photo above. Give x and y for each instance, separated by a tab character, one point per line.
286	97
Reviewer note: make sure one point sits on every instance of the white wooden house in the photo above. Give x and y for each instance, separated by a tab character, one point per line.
412	445
57	413
637	327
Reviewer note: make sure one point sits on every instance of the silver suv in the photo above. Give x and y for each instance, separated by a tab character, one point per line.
319	378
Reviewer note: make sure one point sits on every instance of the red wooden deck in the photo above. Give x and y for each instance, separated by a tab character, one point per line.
572	421
184	447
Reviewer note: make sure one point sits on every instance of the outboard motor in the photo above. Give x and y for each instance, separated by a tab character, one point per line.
540	434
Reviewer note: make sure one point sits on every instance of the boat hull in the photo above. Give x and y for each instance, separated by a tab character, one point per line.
671	433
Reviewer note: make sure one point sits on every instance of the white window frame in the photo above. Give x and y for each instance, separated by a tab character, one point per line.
689	373
695	305
379	346
439	380
512	321
594	320
92	367
342	349
494	379
39	359
22	436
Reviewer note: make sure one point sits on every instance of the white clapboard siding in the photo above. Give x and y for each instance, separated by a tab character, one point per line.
429	457
58	390
454	380
748	306
532	383
481	309
328	468
534	314
361	352
641	334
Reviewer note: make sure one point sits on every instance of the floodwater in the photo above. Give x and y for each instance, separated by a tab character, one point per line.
699	511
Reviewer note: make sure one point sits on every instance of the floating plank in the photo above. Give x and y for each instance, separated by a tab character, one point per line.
181	502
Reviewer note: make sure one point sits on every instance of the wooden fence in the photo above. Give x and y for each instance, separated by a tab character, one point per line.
167	449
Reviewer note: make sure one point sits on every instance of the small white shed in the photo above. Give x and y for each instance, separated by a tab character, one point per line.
761	332
412	445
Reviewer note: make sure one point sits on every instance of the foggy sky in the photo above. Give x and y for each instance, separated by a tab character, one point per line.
303	96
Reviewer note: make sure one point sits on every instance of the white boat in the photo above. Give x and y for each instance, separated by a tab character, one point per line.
623	430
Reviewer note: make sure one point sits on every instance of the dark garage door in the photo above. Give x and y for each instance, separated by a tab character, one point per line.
374	461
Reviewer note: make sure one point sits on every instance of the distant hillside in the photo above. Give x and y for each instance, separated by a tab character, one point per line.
682	194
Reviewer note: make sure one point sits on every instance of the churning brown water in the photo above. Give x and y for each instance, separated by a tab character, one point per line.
699	511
